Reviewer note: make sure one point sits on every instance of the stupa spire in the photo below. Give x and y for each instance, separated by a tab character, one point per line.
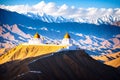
37	35
67	36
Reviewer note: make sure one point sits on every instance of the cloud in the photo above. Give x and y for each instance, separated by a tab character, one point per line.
55	30
40	5
31	28
64	10
44	28
79	34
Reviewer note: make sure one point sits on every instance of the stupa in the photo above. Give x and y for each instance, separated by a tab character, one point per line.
67	40
36	39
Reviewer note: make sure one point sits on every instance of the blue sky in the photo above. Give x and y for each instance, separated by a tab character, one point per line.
76	3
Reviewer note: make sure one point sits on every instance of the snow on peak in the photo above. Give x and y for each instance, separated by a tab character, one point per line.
68	13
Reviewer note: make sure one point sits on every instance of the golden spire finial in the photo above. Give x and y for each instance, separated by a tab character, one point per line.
67	35
37	35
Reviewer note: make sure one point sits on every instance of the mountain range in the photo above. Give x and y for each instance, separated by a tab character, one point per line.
107	19
92	60
18	28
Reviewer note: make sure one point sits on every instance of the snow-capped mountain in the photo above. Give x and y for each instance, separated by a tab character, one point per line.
96	39
49	12
106	19
48	18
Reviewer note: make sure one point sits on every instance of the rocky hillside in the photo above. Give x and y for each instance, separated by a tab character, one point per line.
63	65
11	36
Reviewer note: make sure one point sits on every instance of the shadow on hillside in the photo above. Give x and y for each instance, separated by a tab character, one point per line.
64	65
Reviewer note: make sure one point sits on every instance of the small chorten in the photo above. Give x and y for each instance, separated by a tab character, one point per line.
36	39
67	40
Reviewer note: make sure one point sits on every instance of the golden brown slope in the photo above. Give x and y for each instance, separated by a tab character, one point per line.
110	59
114	63
107	57
25	51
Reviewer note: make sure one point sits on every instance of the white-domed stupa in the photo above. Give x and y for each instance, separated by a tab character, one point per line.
67	40
37	39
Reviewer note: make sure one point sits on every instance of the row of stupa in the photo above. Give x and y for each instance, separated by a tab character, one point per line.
37	39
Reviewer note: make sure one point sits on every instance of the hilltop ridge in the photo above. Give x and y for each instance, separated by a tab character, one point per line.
63	65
